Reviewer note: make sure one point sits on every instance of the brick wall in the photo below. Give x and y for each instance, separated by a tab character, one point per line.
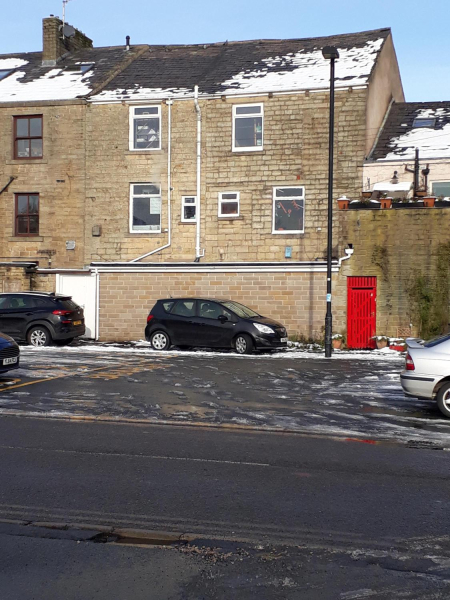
296	299
295	153
396	246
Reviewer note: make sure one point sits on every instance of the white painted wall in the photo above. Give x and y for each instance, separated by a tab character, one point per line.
82	288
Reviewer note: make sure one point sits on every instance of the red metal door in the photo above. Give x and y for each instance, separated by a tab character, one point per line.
361	311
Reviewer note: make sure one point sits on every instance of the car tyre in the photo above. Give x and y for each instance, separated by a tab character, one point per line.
39	336
160	340
443	399
243	344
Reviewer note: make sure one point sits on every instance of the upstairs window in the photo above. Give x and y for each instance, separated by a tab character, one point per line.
28	137
145	208
441	188
188	209
27	214
145	128
248	124
288	210
419	122
229	204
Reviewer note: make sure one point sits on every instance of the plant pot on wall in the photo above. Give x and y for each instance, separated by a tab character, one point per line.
421	193
386	202
367	194
429	201
337	341
343	203
381	342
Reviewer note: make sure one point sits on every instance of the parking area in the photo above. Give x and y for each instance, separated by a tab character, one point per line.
352	395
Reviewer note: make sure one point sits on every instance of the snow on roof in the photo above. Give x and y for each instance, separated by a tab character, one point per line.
12	63
400	137
306	70
135	92
387	186
55	84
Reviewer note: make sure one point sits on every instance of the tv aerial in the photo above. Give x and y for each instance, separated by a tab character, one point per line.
67	30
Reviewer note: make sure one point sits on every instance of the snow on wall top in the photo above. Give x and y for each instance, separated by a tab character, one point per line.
400	138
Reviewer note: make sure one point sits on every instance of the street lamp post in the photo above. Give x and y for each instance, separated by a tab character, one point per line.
330	53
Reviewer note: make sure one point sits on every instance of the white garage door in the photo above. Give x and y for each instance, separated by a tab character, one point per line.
82	288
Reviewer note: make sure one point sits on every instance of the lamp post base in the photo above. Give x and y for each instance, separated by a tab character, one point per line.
328	335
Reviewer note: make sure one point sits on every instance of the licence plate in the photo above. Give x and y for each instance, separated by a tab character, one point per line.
77	322
284	340
10	361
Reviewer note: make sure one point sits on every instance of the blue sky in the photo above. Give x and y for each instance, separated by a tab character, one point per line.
420	29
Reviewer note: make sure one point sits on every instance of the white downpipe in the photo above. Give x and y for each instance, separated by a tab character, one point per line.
97	304
169	185
198	253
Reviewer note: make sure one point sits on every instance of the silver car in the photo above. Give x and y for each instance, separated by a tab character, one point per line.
427	371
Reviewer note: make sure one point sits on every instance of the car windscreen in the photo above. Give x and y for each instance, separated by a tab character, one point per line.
437	340
240	310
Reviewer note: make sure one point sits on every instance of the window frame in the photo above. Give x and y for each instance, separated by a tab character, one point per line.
183	204
28	215
133	117
274	199
149	196
221	201
236	117
443	181
419	123
17	138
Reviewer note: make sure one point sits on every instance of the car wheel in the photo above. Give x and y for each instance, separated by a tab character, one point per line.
443	399
160	340
64	342
39	336
243	344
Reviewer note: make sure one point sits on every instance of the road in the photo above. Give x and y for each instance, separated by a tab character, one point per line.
350	396
252	514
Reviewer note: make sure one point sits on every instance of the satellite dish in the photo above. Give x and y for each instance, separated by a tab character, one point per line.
68	31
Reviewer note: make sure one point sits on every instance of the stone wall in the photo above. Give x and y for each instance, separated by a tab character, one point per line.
295	153
295	299
58	178
398	246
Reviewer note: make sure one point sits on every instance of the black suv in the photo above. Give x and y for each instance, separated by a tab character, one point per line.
40	319
187	322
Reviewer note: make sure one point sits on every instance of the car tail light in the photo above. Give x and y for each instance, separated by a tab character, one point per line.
409	363
149	318
61	313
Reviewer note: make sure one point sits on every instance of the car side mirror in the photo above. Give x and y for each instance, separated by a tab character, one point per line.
222	318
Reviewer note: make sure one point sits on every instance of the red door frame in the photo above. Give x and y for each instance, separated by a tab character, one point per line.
361	311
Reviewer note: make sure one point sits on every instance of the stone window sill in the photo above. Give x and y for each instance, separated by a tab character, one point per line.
139	152
240	218
187	222
24	238
27	161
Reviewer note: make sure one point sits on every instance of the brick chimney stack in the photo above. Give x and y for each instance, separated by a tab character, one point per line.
55	46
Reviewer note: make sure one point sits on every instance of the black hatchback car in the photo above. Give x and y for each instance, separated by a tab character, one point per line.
40	319
187	322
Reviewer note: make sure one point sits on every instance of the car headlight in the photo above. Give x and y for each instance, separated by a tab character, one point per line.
263	328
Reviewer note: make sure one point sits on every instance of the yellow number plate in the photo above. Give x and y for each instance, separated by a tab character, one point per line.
77	322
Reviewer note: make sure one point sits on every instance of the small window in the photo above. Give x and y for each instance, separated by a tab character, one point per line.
43	303
229	204
424	122
212	310
441	188
288	209
168	305
19	302
145	128
27	214
145	208
4	73
28	137
188	209
184	308
248	124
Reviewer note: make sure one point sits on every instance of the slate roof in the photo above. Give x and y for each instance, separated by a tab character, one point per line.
399	138
31	81
219	68
247	67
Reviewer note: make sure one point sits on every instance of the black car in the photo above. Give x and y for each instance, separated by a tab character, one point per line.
40	318
187	322
9	354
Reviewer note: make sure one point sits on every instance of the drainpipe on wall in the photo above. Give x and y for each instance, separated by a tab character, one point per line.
169	185
97	304
198	252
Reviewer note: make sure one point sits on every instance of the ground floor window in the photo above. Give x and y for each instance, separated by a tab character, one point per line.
229	204
27	214
441	188
288	210
145	208
188	209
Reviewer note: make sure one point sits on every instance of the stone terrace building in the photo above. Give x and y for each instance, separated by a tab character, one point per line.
187	170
